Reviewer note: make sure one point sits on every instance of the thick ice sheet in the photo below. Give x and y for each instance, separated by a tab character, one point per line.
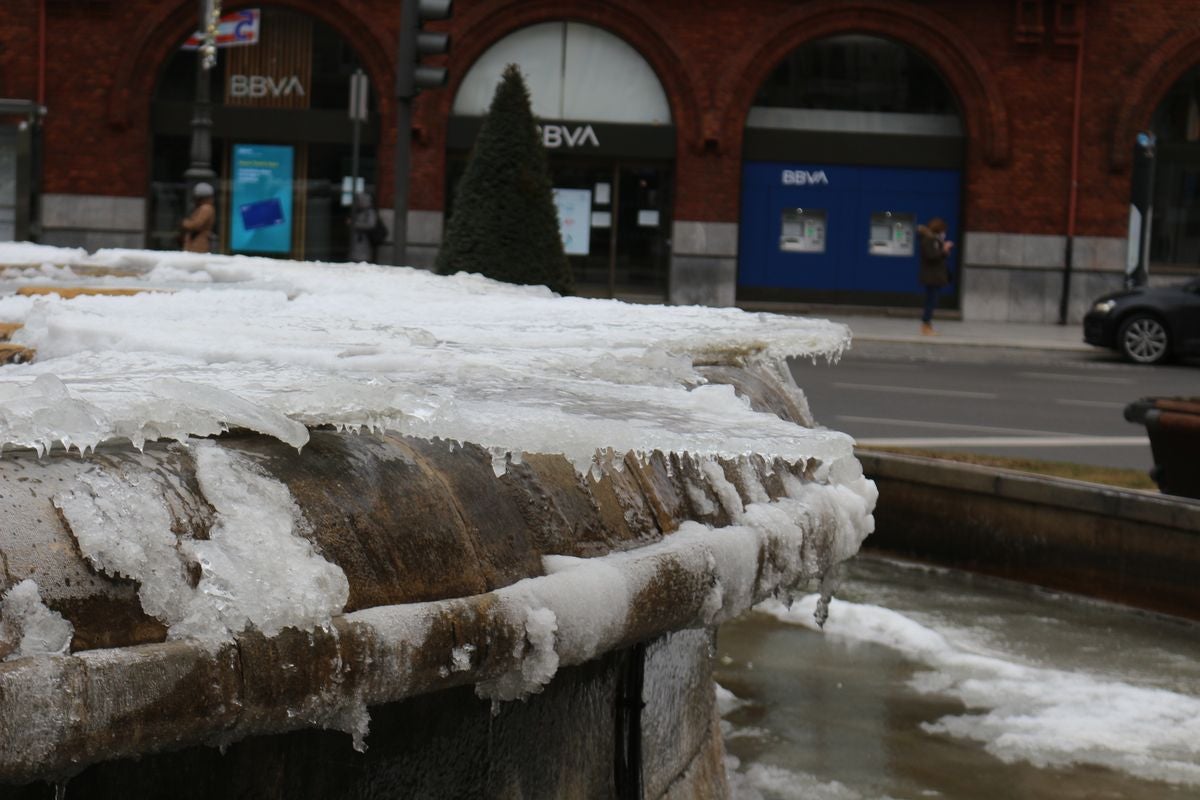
275	346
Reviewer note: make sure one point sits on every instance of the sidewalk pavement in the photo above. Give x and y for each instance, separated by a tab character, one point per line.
1016	335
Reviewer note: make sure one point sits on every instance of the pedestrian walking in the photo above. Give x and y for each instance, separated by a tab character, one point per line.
198	226
934	274
364	225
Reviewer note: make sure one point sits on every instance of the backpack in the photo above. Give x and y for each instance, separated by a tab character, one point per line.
378	234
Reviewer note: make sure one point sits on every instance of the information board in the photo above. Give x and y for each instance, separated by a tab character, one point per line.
575	219
261	207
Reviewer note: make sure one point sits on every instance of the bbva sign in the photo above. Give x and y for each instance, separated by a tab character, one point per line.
555	136
803	177
264	85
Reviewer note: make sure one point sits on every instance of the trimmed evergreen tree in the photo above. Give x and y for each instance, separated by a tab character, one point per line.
504	223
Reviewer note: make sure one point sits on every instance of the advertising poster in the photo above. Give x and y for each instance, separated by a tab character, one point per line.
575	219
261	207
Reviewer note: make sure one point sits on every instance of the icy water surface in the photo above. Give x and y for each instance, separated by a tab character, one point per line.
935	683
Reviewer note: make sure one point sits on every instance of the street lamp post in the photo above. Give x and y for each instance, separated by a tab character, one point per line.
201	169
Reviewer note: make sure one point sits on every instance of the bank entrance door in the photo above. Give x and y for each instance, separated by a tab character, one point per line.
627	253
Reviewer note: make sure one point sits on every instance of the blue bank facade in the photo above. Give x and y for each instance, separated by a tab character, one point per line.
827	233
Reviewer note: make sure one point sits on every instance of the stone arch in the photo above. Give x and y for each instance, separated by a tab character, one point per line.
1162	67
166	26
949	50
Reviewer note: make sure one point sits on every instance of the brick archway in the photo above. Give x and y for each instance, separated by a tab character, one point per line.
161	32
480	27
947	49
1161	69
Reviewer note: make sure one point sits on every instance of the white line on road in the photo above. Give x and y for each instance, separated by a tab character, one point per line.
1077	378
945	426
871	387
1010	441
1062	401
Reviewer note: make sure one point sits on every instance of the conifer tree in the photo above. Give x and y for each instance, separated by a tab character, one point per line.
504	223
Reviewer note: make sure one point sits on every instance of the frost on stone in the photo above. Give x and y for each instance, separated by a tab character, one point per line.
28	627
460	658
335	710
536	657
255	569
581	607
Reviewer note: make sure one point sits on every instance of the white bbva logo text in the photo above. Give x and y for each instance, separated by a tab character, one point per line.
263	85
557	135
801	177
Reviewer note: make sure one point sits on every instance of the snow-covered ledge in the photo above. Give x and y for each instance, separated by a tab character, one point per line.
432	482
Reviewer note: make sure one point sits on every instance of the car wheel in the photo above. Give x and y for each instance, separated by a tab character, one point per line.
1144	339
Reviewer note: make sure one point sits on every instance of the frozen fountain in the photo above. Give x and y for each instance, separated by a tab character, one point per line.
305	530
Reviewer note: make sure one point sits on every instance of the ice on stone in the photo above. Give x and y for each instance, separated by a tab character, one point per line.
255	569
269	345
28	627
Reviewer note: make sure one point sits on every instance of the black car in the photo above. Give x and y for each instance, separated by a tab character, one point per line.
1147	325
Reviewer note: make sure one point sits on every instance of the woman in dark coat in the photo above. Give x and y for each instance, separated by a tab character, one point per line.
935	249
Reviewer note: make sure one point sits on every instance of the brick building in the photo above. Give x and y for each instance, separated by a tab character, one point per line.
772	154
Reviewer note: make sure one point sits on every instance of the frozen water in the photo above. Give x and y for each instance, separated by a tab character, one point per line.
254	569
28	627
1048	717
275	346
769	782
580	608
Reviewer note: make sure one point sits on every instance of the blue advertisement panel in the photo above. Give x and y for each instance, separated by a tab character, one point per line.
261	208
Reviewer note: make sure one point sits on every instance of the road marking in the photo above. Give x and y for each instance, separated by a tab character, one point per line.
872	387
943	426
1077	378
1009	441
1062	401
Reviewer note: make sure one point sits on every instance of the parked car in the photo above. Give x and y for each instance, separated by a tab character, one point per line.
1147	325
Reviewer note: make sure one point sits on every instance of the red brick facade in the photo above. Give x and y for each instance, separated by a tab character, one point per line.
103	57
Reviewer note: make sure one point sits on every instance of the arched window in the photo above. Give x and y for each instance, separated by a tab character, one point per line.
858	85
575	72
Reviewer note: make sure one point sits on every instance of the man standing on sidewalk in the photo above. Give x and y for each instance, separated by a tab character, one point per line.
935	249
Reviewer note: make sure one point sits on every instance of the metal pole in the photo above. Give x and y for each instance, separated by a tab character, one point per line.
201	150
1141	211
356	102
405	91
400	176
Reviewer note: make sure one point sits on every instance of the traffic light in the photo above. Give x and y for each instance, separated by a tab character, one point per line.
411	75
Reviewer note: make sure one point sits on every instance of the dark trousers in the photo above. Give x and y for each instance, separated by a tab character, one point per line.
931	293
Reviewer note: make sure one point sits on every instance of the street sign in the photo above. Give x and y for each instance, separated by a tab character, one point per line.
233	30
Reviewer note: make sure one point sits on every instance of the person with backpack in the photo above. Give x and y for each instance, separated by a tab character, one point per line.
367	230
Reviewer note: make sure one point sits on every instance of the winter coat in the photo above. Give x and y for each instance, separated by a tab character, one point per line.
933	258
198	229
360	234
